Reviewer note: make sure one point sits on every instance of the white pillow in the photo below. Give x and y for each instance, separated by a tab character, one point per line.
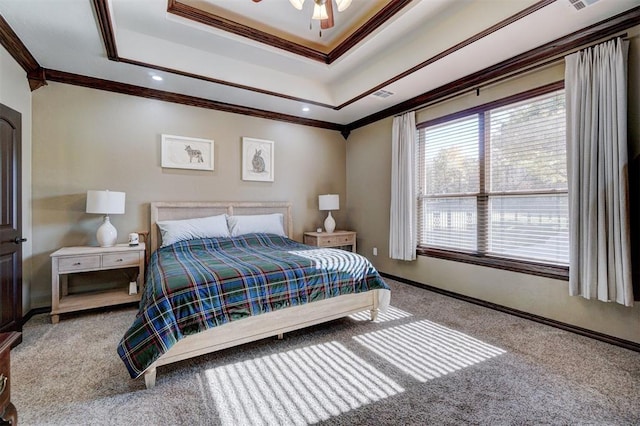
257	223
203	227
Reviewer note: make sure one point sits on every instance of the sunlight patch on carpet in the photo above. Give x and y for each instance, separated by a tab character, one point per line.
301	386
426	350
391	314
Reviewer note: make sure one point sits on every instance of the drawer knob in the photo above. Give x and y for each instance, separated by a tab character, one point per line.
118	260
3	383
77	264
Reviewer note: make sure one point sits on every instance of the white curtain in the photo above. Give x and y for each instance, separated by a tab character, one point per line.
402	229
596	93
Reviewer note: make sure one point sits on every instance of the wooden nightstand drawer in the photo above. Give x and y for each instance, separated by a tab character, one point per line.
78	263
329	241
120	259
346	240
334	239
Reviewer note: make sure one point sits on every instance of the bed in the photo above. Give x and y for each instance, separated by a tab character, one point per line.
206	294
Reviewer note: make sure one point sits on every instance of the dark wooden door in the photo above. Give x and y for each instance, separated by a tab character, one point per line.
10	220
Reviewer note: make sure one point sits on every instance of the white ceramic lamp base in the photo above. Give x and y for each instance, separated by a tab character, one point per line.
107	234
329	223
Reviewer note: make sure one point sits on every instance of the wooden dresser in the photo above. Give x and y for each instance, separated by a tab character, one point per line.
8	413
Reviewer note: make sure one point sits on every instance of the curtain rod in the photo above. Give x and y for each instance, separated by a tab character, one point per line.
539	65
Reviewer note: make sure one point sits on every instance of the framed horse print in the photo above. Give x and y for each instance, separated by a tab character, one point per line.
257	159
180	152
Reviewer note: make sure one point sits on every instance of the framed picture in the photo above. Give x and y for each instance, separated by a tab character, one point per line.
257	159
180	152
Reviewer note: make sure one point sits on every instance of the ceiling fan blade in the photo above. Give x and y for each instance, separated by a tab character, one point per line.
328	23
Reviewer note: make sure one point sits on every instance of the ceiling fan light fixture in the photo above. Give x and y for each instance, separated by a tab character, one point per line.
343	4
297	3
319	12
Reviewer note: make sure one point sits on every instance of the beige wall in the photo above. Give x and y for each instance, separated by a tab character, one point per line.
90	139
368	187
15	93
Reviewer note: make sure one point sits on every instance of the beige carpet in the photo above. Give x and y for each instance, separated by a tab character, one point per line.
430	360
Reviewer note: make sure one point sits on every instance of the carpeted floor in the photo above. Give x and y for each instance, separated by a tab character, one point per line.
430	360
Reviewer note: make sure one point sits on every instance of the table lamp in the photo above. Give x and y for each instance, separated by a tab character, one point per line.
329	202
106	203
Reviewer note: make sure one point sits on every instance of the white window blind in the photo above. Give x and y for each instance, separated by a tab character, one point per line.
494	182
527	145
449	180
528	205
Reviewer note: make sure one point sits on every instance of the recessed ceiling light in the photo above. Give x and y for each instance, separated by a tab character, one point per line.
156	77
305	109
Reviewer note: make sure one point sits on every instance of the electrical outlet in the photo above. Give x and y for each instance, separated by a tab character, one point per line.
375	251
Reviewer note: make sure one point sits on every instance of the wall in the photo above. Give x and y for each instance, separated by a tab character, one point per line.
89	139
369	166
15	93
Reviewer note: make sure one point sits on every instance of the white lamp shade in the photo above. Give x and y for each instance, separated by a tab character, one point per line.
297	3
343	4
329	202
319	12
105	202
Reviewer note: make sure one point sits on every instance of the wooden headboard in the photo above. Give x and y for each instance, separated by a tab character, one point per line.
176	210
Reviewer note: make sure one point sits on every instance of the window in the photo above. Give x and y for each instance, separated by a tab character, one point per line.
493	183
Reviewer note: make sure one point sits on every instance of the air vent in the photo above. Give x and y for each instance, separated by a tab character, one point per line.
382	94
581	4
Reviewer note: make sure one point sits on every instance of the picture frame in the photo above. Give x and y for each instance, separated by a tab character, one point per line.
257	160
181	152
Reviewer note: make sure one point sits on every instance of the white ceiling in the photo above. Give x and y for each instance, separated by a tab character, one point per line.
64	35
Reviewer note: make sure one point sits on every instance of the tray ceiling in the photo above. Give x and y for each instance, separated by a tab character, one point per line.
238	52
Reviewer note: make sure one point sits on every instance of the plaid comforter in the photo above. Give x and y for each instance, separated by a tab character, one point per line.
194	285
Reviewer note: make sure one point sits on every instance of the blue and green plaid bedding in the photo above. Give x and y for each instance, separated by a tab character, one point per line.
194	285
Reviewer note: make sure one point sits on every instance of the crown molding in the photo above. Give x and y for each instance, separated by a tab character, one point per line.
553	50
103	16
105	23
198	15
161	95
38	76
482	34
221	82
16	48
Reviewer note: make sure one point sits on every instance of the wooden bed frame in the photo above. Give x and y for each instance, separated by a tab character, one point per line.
253	328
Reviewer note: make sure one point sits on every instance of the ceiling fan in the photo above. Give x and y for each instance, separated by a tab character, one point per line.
322	10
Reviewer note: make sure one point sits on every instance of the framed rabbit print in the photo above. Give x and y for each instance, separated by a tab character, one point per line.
257	159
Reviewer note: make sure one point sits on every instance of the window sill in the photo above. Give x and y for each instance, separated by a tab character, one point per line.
525	267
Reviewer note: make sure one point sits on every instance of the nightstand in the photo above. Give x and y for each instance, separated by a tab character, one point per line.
72	260
333	239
